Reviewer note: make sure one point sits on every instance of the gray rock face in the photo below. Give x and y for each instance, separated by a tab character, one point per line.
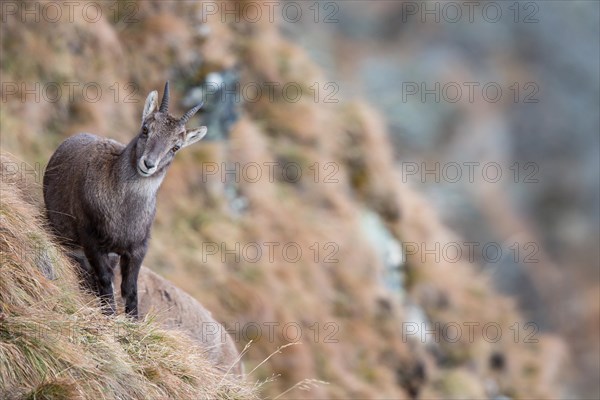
220	94
388	249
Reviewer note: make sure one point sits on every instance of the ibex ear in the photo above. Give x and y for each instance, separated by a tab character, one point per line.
192	136
151	103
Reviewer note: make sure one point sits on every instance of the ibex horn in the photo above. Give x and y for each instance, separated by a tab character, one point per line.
186	117
164	105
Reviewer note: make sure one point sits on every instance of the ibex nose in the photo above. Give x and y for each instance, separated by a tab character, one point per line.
148	164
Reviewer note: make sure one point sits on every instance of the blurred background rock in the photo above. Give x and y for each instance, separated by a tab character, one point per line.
549	132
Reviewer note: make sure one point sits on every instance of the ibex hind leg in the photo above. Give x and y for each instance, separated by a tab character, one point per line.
102	269
87	278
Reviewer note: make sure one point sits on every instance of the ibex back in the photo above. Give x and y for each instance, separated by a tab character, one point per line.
100	196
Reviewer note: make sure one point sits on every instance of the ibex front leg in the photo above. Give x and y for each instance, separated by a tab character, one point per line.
131	262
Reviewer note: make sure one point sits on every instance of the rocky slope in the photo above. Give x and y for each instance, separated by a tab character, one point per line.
352	326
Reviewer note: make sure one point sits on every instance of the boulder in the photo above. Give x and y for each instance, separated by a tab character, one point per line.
178	310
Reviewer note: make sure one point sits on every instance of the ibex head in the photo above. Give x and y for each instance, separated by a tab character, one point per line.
162	135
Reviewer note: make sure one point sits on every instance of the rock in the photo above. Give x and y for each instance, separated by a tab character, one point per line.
181	311
220	94
388	249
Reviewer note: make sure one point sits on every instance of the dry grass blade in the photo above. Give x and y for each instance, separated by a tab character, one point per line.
305	384
278	351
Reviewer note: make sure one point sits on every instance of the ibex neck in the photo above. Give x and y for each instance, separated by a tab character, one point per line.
128	178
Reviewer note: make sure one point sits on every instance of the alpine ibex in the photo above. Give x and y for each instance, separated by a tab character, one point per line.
100	196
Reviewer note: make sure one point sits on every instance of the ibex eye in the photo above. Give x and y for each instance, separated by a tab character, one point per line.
145	131
175	148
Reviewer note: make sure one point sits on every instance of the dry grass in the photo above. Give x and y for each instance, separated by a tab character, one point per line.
55	343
